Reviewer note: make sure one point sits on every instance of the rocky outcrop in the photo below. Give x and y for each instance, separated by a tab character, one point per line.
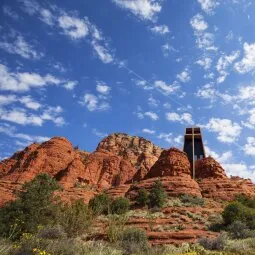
141	153
173	170
209	167
215	184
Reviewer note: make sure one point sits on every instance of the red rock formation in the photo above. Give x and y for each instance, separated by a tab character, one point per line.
214	182
141	153
173	170
209	167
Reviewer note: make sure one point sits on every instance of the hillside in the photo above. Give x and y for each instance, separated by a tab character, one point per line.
120	166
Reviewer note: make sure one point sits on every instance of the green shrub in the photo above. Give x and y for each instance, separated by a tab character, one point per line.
239	230
115	227
215	244
142	198
236	211
34	206
134	241
120	205
100	204
75	218
245	200
157	195
192	200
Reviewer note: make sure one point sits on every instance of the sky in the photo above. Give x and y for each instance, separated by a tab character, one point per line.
84	69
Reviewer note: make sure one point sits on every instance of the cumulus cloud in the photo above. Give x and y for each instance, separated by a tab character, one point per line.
103	89
70	85
184	118
166	88
247	64
47	17
151	115
20	47
228	131
224	63
205	41
249	147
21	82
167	49
143	9
94	103
184	76
74	27
208	5
198	23
98	133
30	103
148	131
160	29
205	62
102	52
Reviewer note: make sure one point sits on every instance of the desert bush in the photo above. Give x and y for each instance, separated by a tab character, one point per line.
34	206
192	200
239	230
52	232
236	211
100	204
142	198
134	241
116	226
157	195
215	244
5	247
120	205
75	218
241	246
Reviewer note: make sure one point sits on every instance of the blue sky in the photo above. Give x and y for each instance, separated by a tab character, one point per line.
85	69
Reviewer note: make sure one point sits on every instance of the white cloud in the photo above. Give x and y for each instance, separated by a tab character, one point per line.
205	62
70	85
21	82
93	103
228	131
103	89
148	131
20	47
144	9
9	12
206	41
182	118
208	5
160	29
7	99
249	147
207	92
184	76
11	132
151	101
197	22
73	27
30	6
30	103
102	52
247	64
223	63
165	88
166	137
20	116
152	115
47	17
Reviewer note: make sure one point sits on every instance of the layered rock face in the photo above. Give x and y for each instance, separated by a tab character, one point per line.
214	183
141	153
173	170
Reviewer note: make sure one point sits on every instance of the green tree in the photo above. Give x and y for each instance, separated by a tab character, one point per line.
142	198
157	195
34	206
120	205
100	204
